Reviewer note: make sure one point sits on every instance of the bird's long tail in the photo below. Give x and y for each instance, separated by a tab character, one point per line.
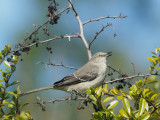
36	90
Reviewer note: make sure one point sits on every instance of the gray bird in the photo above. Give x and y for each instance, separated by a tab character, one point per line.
92	74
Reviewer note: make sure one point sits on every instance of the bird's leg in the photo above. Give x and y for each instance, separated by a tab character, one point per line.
73	93
77	93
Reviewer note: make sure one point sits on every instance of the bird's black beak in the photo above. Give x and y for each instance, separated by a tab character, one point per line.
109	54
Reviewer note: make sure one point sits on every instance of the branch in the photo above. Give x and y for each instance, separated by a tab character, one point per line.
118	71
134	71
29	36
129	77
97	33
66	99
81	35
62	65
41	103
42	42
97	19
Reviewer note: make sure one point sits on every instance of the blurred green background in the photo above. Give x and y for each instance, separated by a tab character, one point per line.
137	35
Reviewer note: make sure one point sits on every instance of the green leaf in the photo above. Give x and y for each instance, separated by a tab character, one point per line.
139	91
16	82
123	93
1	85
152	79
93	98
8	47
10	105
22	116
150	68
157	96
123	113
145	91
142	106
12	93
99	91
157	50
7	70
29	115
153	96
154	53
139	83
114	91
0	56
15	58
105	88
158	68
107	99
148	94
133	88
153	62
119	97
88	91
6	63
130	97
146	106
18	90
113	104
24	105
126	105
4	75
145	116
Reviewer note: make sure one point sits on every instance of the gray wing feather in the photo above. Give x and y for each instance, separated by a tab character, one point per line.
86	73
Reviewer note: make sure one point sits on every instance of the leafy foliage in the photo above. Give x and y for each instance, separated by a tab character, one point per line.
10	106
155	60
145	102
141	102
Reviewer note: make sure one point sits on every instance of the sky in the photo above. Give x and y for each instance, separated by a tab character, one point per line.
137	36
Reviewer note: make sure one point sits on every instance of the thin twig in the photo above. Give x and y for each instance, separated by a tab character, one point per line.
97	33
59	100
45	41
42	103
81	35
62	65
97	19
43	25
129	77
118	71
133	68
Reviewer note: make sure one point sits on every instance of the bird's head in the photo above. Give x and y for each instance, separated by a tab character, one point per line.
101	56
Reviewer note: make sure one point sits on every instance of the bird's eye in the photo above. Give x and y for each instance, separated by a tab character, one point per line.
99	55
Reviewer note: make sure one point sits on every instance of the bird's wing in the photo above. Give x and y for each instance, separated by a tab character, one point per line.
82	75
73	79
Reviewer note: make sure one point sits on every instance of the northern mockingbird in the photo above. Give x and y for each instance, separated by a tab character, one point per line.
92	74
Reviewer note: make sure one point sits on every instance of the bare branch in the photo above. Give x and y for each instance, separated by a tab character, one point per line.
43	25
29	36
97	33
81	35
45	41
118	71
129	77
97	19
62	65
133	68
66	99
42	103
36	90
